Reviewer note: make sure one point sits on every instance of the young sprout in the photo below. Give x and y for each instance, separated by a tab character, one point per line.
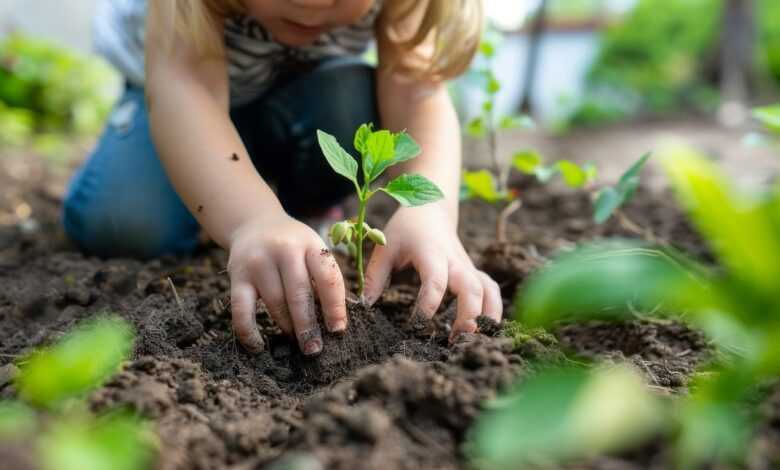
610	199
769	117
379	150
493	186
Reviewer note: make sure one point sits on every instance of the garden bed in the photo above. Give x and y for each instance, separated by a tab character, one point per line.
388	395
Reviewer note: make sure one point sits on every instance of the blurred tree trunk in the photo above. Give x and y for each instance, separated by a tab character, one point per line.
736	57
532	59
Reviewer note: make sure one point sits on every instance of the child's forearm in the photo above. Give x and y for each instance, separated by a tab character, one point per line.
206	160
427	113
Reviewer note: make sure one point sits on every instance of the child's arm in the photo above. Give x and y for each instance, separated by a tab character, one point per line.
426	237
271	254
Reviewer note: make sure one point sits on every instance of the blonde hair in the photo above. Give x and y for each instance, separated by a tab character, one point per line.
435	42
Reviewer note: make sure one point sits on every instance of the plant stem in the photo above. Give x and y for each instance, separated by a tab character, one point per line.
359	242
503	217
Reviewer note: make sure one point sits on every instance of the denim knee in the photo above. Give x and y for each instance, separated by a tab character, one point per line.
120	202
124	228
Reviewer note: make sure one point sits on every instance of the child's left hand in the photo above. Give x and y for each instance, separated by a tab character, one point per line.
427	239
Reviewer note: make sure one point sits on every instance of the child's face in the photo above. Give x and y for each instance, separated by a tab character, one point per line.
300	22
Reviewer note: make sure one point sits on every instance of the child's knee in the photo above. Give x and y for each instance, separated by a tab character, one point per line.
109	230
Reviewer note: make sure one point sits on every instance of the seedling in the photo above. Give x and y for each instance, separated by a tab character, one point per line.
610	199
52	384
492	185
736	304
379	150
769	117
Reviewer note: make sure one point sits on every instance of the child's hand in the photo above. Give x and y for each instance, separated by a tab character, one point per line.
281	260
426	238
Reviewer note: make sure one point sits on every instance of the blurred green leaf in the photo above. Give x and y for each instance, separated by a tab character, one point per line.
629	181
487	49
573	175
74	366
609	199
493	85
514	122
476	128
738	227
16	420
115	442
715	426
607	202
565	413
64	91
600	281
769	116
481	184
527	161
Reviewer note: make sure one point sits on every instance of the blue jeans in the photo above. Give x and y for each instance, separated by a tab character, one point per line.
121	203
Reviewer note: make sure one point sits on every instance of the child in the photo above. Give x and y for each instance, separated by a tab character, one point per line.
234	93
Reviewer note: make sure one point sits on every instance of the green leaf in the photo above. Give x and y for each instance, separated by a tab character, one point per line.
380	148
487	49
607	202
413	190
740	228
591	172
714	426
77	364
573	175
16	420
361	136
610	199
769	116
629	181
476	128
338	158
565	413
600	280
527	161
493	85
119	442
385	149
481	184
513	122
405	148
487	106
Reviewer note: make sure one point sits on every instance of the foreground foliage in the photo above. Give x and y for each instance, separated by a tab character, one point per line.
736	305
52	385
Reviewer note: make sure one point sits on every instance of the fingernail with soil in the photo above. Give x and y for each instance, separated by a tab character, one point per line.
311	347
337	326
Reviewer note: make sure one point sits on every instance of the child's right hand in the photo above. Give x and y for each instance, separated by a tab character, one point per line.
283	261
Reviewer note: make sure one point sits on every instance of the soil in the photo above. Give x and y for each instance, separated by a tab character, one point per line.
389	394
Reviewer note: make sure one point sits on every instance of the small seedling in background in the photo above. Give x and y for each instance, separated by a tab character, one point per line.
769	117
379	150
492	185
735	304
52	384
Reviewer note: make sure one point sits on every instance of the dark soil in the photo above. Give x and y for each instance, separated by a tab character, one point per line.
389	394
